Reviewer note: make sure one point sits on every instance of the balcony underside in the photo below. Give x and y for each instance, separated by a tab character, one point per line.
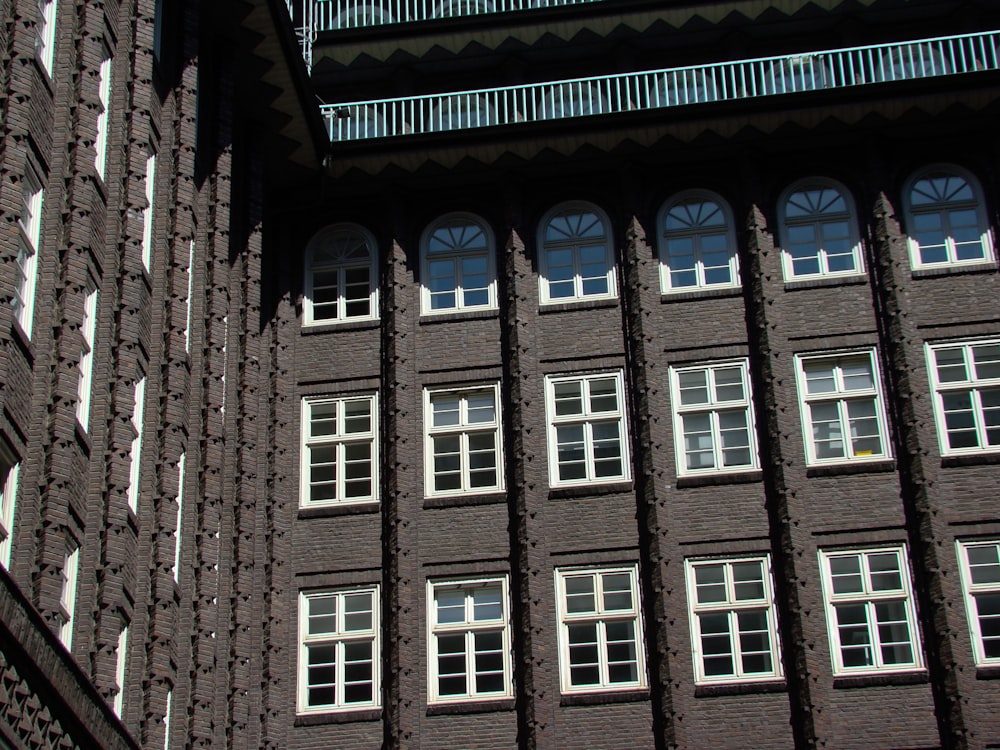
680	135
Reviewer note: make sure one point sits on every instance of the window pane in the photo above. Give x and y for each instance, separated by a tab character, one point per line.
710	583
580	595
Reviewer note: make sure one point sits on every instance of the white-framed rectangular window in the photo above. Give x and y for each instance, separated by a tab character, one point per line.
965	377
67	596
713	417
462	447
166	719
587	438
135	452
869	610
980	564
187	300
103	115
600	629
470	650
339	450
178	526
842	408
121	661
148	212
45	33
29	241
338	650
9	471
88	330
733	622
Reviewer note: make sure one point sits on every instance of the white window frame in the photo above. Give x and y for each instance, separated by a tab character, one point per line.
601	617
842	397
974	385
732	606
941	208
45	39
587	418
67	597
135	451
148	212
869	598
454	238
573	242
167	710
698	232
121	663
339	441
29	243
8	506
975	589
344	240
104	115
817	219
468	629
88	331
713	408
178	524
463	430
339	639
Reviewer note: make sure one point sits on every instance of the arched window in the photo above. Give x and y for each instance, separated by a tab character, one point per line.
819	230
452	8
913	61
945	218
357	16
576	260
697	245
692	86
340	275
806	73
463	111
574	99
458	268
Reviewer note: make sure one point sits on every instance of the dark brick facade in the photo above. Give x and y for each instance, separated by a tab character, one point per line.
215	325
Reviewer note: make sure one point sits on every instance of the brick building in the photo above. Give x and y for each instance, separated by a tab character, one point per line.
500	374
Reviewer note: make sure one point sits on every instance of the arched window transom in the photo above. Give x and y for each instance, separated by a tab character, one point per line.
819	231
697	245
458	265
947	223
576	256
340	276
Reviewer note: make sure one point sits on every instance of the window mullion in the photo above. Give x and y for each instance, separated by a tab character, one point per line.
979	417
873	634
734	640
845	426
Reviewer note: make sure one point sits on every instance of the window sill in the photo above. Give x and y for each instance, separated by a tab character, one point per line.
589	490
750	476
824	281
471	707
581	304
461	501
988	673
861	467
638	695
427	319
986	266
333	511
740	688
342	717
703	293
358	325
970	459
880	680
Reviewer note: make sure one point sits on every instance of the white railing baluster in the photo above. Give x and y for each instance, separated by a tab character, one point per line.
744	79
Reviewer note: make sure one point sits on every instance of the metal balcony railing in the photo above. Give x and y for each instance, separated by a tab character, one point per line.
670	87
331	15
